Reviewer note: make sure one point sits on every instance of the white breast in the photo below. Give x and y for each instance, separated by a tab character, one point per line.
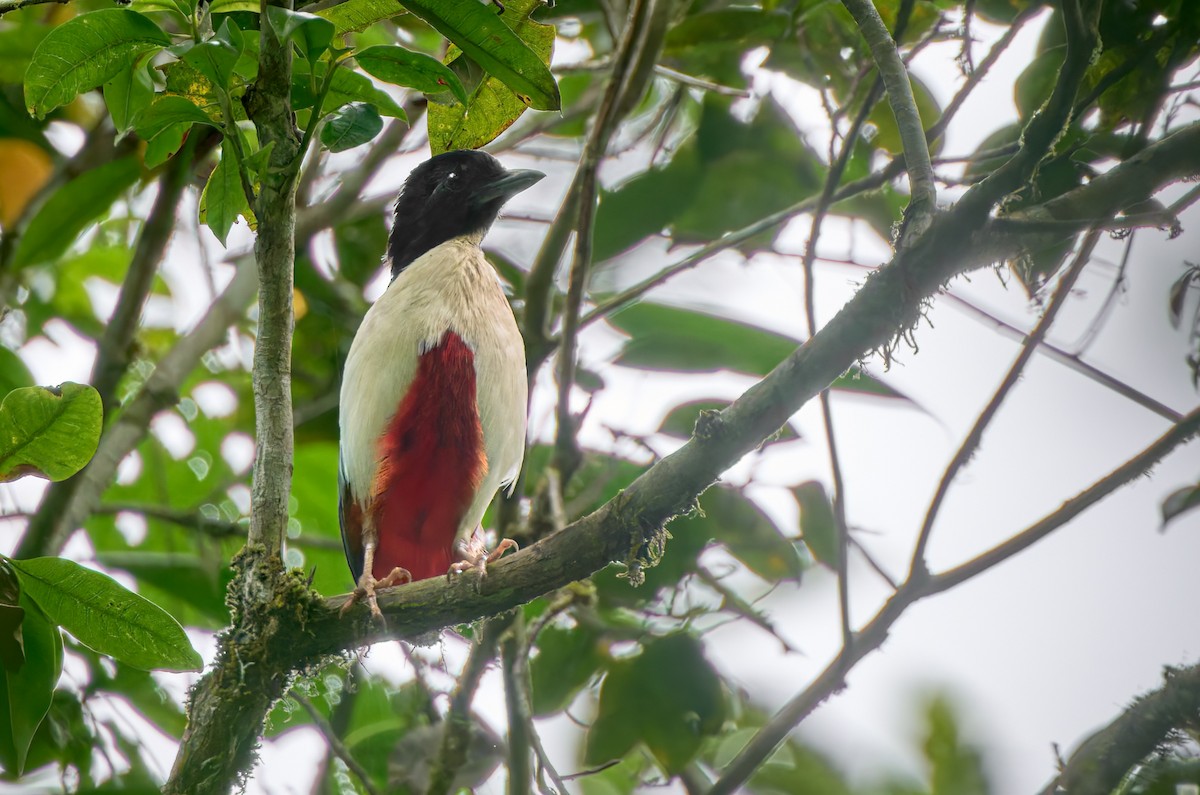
451	287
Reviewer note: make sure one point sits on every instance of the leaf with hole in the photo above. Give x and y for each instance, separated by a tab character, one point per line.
105	616
84	53
51	433
493	103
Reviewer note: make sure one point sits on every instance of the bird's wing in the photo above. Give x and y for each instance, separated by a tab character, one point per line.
350	520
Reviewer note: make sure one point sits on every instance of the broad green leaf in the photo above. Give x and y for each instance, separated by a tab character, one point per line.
180	581
229	6
27	692
566	661
311	33
490	42
127	94
681	340
12	648
223	199
163	146
216	57
86	52
493	105
817	524
51	433
106	617
72	208
410	69
355	15
1180	502
350	126
166	112
1036	83
668	697
749	535
347	86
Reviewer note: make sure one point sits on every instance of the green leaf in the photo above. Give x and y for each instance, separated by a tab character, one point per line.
955	766
680	340
749	535
179	580
566	661
86	52
106	617
13	372
51	433
1178	503
126	95
355	15
668	697
215	58
26	693
163	146
350	126
223	199
166	112
493	105
742	28
347	86
71	209
486	38
311	33
410	69
817	523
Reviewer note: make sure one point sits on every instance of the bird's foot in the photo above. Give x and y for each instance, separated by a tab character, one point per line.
367	585
473	554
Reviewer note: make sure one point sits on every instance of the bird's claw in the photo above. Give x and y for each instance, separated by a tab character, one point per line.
367	585
474	555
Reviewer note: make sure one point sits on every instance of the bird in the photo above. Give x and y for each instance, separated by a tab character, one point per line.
434	390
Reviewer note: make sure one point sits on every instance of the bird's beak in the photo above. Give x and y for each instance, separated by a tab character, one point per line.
507	185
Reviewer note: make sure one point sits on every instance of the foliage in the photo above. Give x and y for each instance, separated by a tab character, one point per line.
159	91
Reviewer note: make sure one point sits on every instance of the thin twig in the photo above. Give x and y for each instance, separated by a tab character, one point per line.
457	723
335	743
16	5
513	649
918	566
113	351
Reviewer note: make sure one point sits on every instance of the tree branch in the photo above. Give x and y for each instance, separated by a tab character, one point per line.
298	629
113	354
268	105
908	121
1102	760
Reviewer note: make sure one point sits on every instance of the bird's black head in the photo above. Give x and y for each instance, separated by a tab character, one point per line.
448	196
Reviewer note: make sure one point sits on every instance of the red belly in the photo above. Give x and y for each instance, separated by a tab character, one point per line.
431	464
